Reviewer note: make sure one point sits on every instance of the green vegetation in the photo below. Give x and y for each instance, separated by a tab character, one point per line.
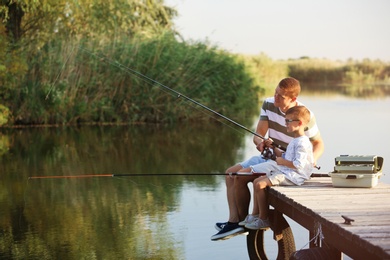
355	78
326	72
79	87
50	72
52	76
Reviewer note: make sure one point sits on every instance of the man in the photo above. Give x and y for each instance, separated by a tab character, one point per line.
271	122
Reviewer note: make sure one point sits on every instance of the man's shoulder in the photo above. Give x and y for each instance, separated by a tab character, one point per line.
269	100
269	103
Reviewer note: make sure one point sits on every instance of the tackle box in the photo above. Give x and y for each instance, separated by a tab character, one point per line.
357	171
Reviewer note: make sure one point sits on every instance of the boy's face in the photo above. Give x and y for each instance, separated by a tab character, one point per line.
292	123
283	101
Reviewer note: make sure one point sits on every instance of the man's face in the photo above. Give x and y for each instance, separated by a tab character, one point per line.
283	101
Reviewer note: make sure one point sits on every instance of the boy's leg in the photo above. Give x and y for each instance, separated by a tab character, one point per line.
255	210
275	178
239	196
262	221
261	196
266	168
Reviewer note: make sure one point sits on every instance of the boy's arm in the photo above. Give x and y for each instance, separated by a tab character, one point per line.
282	161
278	152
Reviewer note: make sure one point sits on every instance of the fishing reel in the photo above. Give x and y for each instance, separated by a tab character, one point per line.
268	153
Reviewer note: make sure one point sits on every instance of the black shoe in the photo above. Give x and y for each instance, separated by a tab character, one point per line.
219	225
228	231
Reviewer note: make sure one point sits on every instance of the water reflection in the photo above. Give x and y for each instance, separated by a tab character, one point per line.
159	217
105	217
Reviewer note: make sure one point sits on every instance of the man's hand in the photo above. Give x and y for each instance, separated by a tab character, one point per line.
264	143
269	143
260	146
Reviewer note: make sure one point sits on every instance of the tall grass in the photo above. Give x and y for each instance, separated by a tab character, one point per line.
66	84
354	78
63	83
326	72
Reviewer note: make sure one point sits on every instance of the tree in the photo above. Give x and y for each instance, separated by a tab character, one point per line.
40	21
27	26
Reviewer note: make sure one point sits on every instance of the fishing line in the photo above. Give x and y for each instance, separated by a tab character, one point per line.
211	115
59	73
165	89
172	91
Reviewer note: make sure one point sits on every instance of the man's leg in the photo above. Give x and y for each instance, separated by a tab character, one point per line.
230	192
242	195
231	228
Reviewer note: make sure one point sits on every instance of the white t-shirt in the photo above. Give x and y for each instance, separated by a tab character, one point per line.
300	152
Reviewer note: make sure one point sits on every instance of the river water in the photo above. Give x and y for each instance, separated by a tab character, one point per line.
150	217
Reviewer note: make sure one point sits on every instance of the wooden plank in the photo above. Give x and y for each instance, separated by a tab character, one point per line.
317	202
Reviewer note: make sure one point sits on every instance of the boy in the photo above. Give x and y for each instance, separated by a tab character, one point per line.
290	168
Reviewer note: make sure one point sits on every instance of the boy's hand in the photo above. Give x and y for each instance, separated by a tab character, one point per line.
282	161
279	160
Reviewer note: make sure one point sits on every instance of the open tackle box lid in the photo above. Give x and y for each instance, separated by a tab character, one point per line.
358	163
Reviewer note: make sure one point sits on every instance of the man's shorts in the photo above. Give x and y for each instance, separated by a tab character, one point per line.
271	169
252	161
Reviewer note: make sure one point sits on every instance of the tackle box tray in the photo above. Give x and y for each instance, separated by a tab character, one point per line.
357	171
355	180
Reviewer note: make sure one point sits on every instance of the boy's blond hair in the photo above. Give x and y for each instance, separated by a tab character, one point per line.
300	112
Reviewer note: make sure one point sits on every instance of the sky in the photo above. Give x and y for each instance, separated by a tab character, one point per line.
284	29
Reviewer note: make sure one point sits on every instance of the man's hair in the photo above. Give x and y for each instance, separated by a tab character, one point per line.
300	112
291	86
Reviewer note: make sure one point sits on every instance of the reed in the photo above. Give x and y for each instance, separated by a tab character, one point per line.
354	78
66	85
61	84
326	72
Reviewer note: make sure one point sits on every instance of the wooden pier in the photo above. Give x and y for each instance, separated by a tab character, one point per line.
353	221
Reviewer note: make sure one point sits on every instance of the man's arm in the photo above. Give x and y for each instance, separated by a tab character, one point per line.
318	148
261	129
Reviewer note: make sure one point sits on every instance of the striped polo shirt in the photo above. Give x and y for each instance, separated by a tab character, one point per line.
277	129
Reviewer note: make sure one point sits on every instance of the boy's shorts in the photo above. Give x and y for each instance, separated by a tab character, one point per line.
270	168
279	179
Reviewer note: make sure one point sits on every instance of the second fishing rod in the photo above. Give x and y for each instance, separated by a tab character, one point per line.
176	93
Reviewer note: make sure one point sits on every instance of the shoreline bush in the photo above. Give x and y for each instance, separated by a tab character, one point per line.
65	84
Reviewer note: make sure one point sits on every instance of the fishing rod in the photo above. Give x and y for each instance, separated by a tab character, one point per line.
139	175
158	174
178	94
